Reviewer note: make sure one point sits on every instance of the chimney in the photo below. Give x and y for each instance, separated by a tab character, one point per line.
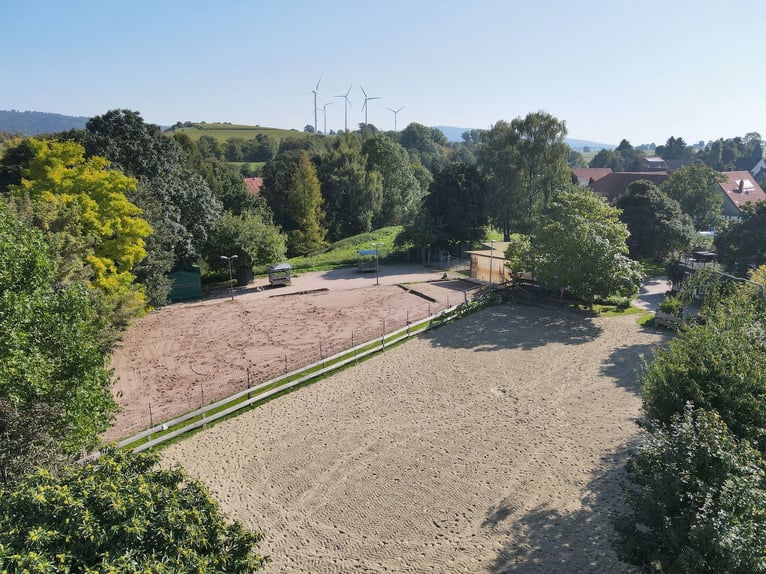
741	185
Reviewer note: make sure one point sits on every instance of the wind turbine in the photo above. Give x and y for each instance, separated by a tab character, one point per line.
366	98
395	113
324	111
347	103
316	92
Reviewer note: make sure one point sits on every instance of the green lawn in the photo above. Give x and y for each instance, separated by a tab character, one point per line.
346	251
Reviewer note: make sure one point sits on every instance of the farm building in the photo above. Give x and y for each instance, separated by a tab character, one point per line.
490	260
186	284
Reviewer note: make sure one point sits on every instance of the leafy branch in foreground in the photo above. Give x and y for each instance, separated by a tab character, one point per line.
120	513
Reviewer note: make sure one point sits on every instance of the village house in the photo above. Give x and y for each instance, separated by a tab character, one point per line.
613	185
738	189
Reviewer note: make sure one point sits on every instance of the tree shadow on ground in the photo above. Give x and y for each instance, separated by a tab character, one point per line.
514	326
544	540
624	364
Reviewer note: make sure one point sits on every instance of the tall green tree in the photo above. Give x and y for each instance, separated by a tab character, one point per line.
695	188
542	156
741	245
498	164
674	148
253	240
608	158
425	144
278	175
122	514
457	204
401	193
580	246
657	225
173	197
525	163
96	234
352	195
304	209
52	367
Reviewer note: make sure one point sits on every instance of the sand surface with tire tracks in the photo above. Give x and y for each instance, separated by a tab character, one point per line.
492	444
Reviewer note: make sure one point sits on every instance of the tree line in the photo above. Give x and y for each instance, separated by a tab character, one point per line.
724	154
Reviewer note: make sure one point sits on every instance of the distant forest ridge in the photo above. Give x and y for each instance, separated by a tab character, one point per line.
36	123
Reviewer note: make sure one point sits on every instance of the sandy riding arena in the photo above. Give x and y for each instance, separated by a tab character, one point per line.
181	357
493	444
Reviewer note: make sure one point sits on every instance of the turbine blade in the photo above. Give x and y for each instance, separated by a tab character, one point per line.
365	93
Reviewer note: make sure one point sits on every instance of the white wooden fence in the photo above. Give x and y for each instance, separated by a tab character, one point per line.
243	399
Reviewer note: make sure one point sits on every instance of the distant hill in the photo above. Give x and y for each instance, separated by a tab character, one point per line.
36	123
454	134
224	131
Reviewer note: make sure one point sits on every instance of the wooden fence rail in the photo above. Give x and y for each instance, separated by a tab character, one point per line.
250	396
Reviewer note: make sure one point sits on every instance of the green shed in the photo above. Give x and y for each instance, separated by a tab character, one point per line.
187	284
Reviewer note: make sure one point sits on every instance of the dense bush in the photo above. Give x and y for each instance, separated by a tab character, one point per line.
120	514
695	500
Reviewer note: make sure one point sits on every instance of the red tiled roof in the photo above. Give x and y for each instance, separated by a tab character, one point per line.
741	188
254	184
585	174
613	185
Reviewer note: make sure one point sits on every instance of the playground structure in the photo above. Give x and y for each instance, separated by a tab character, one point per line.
280	274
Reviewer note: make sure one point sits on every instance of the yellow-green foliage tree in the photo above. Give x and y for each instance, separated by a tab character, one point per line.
96	233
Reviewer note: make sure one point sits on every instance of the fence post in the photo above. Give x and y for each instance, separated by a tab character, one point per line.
321	355
151	420
248	381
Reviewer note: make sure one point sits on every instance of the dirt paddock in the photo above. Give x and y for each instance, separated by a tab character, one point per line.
180	357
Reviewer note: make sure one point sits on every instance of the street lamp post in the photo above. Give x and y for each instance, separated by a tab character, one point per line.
377	275
491	257
231	284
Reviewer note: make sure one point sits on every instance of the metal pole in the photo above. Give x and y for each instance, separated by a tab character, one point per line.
491	257
229	258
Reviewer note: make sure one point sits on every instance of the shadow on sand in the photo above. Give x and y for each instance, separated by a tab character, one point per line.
518	326
547	541
624	364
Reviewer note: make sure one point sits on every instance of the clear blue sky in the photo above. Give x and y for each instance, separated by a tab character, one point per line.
611	69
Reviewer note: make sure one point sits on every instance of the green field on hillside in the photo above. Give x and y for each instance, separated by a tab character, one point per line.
223	132
346	251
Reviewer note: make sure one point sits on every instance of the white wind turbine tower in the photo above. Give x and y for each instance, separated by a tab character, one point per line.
316	92
366	98
395	114
324	112
346	104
